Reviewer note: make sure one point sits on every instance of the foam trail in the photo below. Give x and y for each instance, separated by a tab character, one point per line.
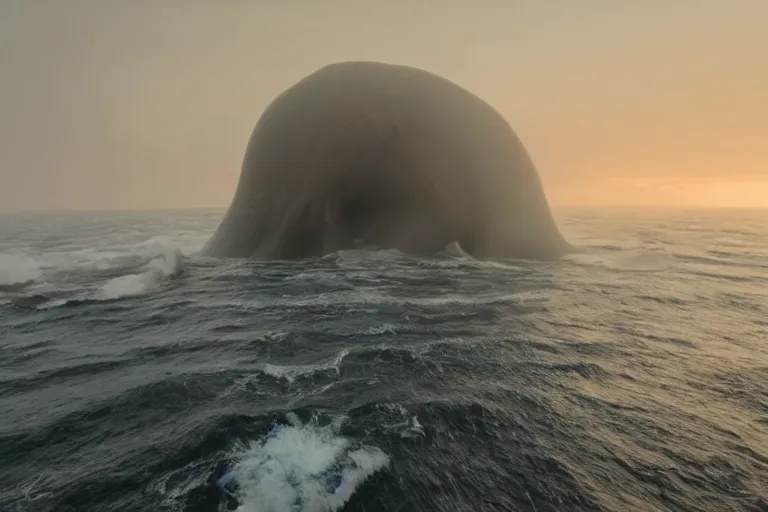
307	468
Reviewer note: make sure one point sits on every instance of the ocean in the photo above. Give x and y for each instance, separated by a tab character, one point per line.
136	375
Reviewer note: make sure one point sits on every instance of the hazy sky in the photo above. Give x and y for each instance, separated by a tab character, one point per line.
149	104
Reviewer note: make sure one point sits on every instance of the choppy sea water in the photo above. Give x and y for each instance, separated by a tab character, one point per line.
136	375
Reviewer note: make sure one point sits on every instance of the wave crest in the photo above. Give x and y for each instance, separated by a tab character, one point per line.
17	270
169	263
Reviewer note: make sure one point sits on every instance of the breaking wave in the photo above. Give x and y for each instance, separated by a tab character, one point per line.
299	467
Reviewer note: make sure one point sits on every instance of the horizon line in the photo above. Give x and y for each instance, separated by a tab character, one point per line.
553	206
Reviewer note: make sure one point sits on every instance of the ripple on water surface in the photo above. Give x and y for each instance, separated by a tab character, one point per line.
135	375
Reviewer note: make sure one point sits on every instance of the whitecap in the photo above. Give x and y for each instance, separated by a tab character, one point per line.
168	264
17	269
309	467
454	249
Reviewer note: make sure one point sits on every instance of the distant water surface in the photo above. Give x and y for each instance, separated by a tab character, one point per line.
136	375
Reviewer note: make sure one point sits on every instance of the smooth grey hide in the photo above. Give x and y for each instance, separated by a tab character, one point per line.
390	156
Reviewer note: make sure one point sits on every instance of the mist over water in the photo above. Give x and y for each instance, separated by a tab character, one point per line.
137	375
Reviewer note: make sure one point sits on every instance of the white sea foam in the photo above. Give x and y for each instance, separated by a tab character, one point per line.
409	427
16	269
455	249
290	373
379	330
167	264
176	484
309	468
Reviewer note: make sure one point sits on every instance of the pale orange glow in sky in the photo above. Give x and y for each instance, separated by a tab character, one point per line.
149	105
